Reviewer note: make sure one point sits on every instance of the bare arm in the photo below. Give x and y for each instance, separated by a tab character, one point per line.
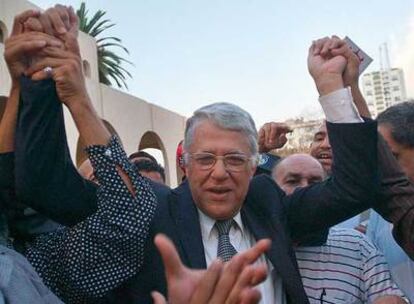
8	122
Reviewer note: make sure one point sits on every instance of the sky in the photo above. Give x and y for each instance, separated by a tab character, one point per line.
188	53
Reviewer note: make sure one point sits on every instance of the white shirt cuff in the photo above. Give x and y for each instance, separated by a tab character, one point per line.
339	107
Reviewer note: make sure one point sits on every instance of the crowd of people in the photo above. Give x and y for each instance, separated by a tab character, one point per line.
243	226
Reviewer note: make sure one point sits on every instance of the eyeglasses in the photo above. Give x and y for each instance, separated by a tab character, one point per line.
235	162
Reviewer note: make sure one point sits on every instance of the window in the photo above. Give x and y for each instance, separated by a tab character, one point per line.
395	88
86	68
3	32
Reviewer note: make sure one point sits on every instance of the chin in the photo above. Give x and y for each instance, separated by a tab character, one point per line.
220	213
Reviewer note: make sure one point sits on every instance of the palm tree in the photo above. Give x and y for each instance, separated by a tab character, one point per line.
109	63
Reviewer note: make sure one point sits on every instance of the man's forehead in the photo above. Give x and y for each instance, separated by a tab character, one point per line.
300	165
322	131
322	128
209	136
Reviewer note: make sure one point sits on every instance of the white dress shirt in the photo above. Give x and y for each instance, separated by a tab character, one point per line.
339	107
241	239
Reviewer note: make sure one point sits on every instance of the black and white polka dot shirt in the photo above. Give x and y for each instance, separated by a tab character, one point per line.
84	262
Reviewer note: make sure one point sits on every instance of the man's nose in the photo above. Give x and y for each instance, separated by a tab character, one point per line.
219	169
325	143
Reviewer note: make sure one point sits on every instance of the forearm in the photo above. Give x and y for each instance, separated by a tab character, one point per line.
359	101
349	190
9	121
42	158
91	128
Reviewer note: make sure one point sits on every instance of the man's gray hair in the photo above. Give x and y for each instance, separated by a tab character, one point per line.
226	116
400	119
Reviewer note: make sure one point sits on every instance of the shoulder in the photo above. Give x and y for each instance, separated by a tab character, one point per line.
353	239
160	190
264	195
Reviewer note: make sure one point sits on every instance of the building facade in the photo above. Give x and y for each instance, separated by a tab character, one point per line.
301	137
383	89
139	124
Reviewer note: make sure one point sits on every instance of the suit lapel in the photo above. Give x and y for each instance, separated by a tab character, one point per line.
261	227
184	213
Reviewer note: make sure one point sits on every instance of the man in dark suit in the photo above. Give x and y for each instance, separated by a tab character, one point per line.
219	210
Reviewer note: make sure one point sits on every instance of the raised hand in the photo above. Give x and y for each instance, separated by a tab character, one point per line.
66	71
272	135
230	283
325	68
55	21
351	73
64	66
20	46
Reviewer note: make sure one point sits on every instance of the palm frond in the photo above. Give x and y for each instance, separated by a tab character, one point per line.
109	63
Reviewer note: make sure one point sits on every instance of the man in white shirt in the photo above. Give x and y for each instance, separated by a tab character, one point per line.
345	267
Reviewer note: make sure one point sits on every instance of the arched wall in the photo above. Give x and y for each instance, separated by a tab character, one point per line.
130	116
152	140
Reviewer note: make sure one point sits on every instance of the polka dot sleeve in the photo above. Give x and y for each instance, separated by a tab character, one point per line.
86	261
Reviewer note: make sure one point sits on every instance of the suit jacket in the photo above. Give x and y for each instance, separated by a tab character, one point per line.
395	201
266	212
177	217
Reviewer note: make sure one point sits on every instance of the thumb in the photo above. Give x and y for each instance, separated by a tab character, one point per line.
158	298
169	255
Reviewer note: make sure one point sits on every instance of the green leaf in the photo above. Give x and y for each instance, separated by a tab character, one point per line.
110	64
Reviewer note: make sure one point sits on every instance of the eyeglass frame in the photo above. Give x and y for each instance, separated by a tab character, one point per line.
253	159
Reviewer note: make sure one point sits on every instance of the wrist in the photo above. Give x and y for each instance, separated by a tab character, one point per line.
329	83
353	85
79	105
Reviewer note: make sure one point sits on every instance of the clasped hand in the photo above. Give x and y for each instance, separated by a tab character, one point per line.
44	45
